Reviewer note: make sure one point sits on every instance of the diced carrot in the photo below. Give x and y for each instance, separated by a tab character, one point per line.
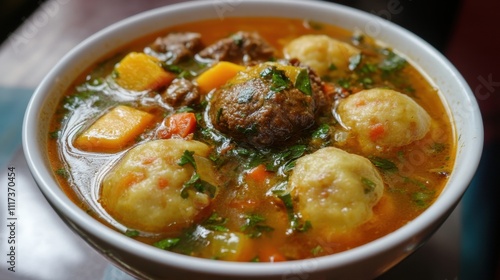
139	71
258	174
268	253
376	131
329	89
180	124
217	75
115	130
163	183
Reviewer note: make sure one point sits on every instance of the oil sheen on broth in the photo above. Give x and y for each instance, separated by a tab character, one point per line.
253	139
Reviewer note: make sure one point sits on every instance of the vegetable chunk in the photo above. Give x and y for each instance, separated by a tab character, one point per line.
218	75
114	131
139	71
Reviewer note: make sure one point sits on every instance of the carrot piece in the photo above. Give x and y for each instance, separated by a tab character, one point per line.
139	71
217	75
329	89
376	131
258	174
180	124
114	131
268	253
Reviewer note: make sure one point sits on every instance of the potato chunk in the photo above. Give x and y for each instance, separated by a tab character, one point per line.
144	191
320	52
335	190
114	131
228	246
139	71
381	119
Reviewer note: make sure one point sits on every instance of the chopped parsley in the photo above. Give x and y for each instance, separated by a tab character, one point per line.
216	223
166	244
384	164
286	157
323	132
187	157
278	78
369	185
199	185
254	225
303	82
132	233
392	62
62	172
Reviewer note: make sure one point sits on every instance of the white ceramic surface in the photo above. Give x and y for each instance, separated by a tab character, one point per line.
364	262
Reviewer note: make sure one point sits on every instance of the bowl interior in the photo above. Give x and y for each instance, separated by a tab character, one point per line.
453	89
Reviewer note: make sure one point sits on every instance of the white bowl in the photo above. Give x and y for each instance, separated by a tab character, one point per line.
364	262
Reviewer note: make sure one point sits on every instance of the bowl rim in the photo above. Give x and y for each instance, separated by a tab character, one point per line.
63	204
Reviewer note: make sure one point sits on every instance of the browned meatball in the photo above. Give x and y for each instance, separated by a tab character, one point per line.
267	104
241	47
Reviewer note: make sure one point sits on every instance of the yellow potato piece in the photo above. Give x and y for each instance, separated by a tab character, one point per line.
139	72
228	246
114	131
217	76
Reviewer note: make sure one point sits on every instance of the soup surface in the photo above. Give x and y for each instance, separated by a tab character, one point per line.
253	139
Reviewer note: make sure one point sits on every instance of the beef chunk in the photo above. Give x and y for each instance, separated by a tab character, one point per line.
241	47
178	46
181	92
263	111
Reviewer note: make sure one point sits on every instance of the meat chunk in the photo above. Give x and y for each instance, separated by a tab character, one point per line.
178	46
241	47
181	92
266	105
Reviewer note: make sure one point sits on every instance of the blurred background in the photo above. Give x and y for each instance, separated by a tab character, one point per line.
467	32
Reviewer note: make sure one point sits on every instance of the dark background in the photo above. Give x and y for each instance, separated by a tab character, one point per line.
467	32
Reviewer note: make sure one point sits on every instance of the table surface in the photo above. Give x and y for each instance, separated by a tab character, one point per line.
46	247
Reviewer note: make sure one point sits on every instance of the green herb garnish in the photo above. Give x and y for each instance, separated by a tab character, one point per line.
279	80
254	226
216	223
187	157
384	164
62	172
303	82
131	233
392	62
166	244
369	185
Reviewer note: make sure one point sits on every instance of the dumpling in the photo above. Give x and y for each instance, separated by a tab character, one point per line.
382	118
143	191
335	190
320	52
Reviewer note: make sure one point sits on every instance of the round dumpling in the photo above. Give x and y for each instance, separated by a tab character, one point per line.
144	191
335	190
382	118
320	52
